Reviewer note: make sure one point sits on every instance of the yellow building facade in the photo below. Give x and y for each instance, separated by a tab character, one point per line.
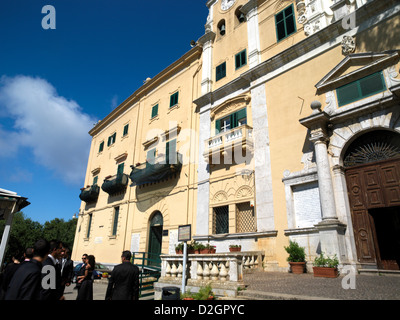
281	123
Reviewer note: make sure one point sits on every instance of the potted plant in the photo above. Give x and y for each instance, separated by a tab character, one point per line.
179	248
210	249
205	293
198	247
297	257
235	248
187	295
325	266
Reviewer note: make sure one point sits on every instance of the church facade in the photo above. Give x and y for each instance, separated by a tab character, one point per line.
281	123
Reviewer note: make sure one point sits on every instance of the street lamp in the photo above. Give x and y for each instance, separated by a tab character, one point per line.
10	203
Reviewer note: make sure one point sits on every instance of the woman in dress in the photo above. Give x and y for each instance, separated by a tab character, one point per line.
86	281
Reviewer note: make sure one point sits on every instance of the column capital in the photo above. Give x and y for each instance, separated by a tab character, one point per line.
248	8
319	135
206	38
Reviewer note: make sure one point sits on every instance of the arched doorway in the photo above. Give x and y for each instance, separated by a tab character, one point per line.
155	238
372	163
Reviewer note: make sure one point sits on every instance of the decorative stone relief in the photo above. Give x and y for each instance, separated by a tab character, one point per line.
348	45
313	14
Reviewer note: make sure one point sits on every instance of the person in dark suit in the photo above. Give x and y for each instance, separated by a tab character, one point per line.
26	283
9	272
123	283
67	269
52	261
81	271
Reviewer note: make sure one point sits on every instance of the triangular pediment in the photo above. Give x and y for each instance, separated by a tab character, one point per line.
356	66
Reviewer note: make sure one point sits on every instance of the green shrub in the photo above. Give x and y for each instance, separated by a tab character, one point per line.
296	253
327	262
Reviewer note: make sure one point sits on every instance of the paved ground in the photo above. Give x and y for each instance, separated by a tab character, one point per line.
306	286
286	286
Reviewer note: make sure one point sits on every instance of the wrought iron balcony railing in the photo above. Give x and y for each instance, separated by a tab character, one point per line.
161	168
90	194
115	184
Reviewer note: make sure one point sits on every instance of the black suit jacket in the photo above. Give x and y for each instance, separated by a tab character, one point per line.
67	272
52	294
123	283
26	283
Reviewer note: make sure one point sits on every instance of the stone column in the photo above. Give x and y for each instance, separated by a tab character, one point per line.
326	193
206	42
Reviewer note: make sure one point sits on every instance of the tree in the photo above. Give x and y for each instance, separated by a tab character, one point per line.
60	230
24	233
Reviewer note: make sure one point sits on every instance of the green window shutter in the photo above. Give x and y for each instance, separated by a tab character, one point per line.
174	99
234	120
170	152
114	137
217	126
109	141
154	111
151	156
101	147
120	169
89	226
95	179
126	128
360	89
220	71
240	59
115	221
285	23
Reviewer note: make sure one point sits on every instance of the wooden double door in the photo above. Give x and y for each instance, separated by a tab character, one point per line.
374	194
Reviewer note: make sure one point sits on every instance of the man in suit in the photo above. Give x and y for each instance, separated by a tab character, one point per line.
26	283
124	281
67	269
52	262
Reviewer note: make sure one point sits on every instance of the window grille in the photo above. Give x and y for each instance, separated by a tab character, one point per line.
221	220
245	218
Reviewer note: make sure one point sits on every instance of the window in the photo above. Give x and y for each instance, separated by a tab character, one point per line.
89	226
151	156
170	152
115	221
240	59
101	147
239	15
360	89
154	111
126	128
232	121
285	23
220	71
221	220
111	139
222	27
174	99
120	169
245	218
95	179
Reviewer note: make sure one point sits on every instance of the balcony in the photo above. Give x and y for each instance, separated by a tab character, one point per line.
115	184
90	194
229	143
160	169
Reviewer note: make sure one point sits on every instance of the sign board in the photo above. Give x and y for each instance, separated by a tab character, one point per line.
185	233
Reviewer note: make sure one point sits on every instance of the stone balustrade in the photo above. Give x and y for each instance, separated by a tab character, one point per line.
224	271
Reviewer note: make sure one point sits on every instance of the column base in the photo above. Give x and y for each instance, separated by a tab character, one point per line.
332	238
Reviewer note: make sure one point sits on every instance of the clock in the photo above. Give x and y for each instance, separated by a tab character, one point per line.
226	4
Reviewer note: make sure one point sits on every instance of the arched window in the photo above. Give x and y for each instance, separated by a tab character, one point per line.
372	146
222	27
240	17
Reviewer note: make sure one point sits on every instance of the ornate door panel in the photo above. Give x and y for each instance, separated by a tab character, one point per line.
391	183
371	187
359	213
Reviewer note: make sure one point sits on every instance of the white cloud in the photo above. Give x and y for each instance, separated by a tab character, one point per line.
54	128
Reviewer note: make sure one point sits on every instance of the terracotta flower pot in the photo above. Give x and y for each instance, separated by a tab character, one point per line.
178	251
325	272
297	267
235	249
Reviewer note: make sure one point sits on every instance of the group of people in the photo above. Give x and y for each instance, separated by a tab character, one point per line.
25	279
46	269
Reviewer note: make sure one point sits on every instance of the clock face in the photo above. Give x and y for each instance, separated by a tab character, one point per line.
226	4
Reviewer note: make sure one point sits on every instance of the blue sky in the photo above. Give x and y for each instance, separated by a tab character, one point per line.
55	84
